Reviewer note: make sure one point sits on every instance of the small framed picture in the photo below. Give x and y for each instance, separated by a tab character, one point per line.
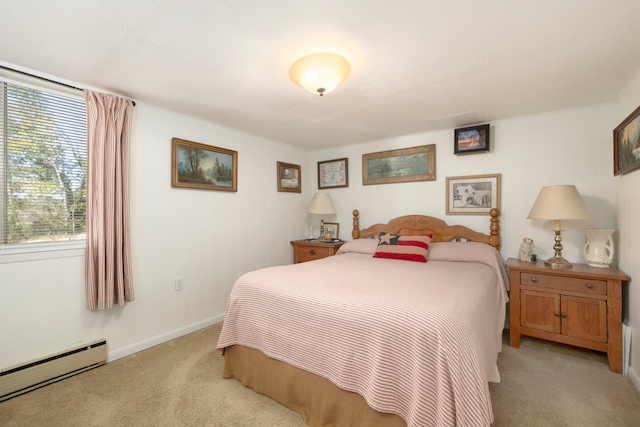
333	173
195	165
473	195
626	144
332	229
289	178
472	139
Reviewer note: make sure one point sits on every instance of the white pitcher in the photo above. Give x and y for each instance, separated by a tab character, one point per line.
598	247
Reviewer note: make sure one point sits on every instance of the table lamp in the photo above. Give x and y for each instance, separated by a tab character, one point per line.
557	203
321	204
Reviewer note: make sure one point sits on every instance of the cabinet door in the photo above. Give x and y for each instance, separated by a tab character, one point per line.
540	310
584	318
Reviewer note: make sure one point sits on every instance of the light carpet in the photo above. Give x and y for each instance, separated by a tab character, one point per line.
179	383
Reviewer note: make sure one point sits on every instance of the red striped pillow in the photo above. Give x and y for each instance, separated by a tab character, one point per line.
409	248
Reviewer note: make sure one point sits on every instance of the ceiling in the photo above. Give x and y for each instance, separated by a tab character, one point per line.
417	65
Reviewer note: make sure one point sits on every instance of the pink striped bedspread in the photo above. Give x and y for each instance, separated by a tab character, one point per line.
415	339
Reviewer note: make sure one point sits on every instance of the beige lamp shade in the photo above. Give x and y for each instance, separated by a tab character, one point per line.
322	204
559	202
319	73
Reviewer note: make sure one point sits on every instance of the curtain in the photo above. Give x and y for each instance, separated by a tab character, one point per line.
108	272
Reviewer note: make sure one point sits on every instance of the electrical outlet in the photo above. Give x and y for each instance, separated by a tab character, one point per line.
179	283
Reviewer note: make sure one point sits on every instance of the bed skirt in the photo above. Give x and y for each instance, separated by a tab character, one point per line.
318	400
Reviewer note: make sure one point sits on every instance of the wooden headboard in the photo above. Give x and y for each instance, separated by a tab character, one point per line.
421	224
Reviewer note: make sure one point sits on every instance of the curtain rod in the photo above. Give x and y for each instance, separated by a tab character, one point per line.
47	80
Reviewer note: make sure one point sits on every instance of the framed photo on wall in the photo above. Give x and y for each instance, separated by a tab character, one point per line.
333	173
626	144
473	195
201	166
472	139
289	178
404	165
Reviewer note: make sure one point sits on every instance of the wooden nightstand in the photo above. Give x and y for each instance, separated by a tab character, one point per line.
580	306
309	250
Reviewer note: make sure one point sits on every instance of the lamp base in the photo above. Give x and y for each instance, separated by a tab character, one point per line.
558	262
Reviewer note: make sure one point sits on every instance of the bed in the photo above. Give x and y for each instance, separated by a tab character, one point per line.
361	340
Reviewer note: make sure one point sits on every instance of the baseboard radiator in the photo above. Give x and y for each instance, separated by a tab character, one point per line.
40	372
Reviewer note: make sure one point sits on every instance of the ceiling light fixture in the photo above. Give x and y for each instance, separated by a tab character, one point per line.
319	73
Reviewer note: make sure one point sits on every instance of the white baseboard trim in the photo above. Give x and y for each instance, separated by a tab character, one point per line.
159	339
635	379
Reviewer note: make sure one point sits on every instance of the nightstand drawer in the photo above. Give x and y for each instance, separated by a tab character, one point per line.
305	253
310	250
574	284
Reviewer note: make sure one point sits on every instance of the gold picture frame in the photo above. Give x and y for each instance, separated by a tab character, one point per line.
403	165
204	167
289	178
473	194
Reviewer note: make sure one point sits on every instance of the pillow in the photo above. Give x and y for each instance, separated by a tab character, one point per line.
409	248
359	246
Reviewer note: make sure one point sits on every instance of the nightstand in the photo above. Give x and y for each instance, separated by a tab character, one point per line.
579	306
309	250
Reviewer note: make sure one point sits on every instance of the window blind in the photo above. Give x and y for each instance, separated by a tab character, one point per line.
43	153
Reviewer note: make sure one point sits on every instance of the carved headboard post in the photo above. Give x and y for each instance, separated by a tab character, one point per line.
356	225
494	240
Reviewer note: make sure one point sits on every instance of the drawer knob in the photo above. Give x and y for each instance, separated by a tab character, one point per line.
564	315
589	286
312	252
555	313
534	279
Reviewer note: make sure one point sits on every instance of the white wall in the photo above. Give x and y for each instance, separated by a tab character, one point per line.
562	147
207	237
628	209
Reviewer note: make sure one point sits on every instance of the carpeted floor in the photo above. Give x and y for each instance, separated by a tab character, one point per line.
179	383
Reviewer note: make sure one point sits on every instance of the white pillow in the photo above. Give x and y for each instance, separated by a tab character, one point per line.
359	246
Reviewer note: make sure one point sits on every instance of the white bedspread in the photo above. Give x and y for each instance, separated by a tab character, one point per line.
415	339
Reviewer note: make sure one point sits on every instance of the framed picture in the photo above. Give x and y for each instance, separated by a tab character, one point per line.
332	228
473	195
626	144
404	165
472	139
289	178
201	166
333	173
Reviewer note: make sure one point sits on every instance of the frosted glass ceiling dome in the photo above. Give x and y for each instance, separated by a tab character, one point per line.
320	73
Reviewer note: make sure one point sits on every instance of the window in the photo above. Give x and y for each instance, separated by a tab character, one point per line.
43	157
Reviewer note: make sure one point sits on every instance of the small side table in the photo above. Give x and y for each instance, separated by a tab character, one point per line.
579	306
309	250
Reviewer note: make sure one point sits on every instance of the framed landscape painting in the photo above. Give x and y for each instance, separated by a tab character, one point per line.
204	167
626	144
473	195
404	165
472	139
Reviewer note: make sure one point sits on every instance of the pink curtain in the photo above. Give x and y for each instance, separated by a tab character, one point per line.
108	273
